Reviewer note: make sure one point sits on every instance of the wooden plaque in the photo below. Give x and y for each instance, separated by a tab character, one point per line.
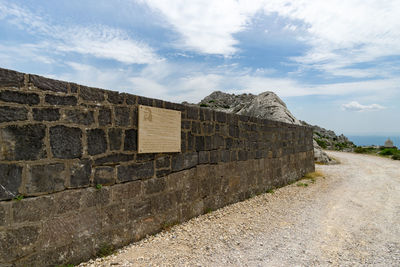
159	130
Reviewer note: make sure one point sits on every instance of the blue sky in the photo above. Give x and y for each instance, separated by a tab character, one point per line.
335	63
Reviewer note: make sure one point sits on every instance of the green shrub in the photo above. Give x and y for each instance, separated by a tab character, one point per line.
321	143
388	152
204	105
360	149
396	157
211	101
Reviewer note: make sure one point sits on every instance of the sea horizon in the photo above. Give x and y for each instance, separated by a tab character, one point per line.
373	140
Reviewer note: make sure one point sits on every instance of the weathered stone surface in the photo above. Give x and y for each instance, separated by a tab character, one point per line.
18	242
96	141
184	161
204	157
104	175
192	113
85	117
126	191
19	97
80	173
130	143
115	138
45	178
114	159
11	78
74	88
66	142
163	162
115	97
48	84
46	114
91	94
10	180
92	197
33	209
104	116
23	142
163	172
13	114
121	116
144	101
136	171
61	100
4	213
67	201
155	185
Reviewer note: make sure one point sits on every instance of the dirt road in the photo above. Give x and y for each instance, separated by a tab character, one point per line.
349	217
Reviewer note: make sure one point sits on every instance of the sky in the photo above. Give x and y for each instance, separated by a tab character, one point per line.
334	63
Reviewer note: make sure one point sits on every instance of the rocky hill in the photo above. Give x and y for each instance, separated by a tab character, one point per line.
268	105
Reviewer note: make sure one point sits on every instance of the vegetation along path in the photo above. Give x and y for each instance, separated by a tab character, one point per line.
350	216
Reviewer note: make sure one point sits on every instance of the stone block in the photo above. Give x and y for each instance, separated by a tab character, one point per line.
23	142
61	100
74	88
66	142
115	138
155	185
10	180
48	84
200	143
131	99
137	171
19	97
242	155
104	175
126	191
91	94
92	197
144	101
113	216
5	213
163	162
34	209
122	116
145	157
46	114
96	141
18	242
136	210
67	201
84	117
13	114
192	113
62	231
130	142
204	157
206	114
163	172
104	116
115	97
225	155
214	156
196	127
45	178
184	161
220	117
114	159
10	78
80	173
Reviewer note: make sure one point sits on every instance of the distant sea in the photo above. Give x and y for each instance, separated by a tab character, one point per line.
373	140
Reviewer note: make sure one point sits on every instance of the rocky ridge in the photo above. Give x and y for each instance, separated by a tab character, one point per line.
268	105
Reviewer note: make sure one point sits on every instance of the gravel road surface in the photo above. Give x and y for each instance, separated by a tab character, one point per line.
348	217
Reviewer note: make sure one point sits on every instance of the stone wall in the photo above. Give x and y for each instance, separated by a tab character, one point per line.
72	182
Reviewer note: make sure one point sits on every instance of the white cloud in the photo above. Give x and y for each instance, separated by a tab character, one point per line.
207	27
355	106
99	41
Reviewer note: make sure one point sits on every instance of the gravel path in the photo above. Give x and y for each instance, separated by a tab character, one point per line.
349	217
